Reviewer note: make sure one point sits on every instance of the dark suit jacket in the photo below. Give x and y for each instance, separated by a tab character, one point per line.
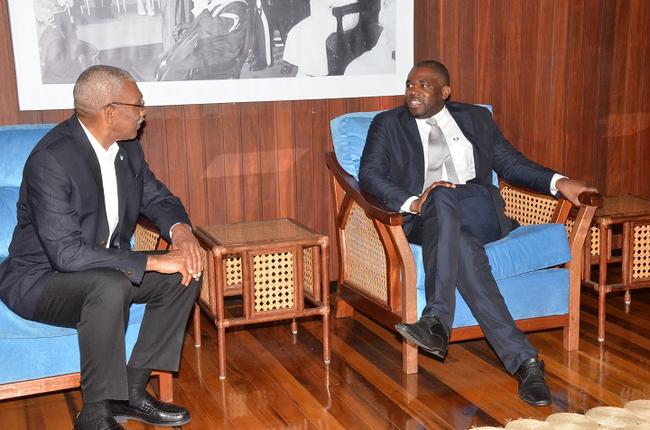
392	163
62	224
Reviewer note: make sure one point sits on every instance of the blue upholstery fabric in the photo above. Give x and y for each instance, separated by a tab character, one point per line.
32	350
16	142
8	199
516	260
551	296
349	136
528	248
28	349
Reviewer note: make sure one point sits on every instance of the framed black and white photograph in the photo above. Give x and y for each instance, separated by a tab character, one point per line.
214	51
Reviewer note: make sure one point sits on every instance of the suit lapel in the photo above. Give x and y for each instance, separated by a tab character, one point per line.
90	158
410	128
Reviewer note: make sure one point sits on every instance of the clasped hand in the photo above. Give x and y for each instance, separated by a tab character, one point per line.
184	258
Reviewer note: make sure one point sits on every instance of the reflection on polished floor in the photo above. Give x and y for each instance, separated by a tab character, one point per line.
276	380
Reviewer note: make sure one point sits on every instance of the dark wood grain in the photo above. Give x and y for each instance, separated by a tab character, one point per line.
277	380
567	79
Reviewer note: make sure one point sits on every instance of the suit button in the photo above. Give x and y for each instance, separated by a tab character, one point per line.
129	273
102	243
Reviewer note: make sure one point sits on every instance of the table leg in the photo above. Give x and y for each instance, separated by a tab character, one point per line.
601	314
605	241
197	325
220	282
221	345
325	294
294	326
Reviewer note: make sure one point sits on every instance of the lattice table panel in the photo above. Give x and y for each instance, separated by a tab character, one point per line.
641	252
308	271
273	281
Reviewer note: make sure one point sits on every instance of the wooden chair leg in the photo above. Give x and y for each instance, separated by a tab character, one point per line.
409	357
197	325
343	309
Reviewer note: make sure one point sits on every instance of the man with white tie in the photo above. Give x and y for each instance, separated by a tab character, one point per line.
432	159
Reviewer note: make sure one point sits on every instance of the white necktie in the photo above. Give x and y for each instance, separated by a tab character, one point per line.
438	154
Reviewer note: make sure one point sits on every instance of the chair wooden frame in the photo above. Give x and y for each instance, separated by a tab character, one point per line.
146	237
398	301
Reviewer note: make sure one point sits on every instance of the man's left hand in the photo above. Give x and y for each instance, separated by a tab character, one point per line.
571	189
184	240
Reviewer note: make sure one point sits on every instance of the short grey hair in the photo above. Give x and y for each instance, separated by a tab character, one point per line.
97	86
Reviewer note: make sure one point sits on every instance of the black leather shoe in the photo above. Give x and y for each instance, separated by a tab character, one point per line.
151	411
532	383
101	423
428	333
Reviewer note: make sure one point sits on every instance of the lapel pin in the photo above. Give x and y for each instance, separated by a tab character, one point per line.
121	157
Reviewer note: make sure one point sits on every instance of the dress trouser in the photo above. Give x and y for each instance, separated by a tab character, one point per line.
454	225
96	302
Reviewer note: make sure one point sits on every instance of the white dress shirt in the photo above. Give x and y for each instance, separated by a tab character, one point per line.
460	148
106	158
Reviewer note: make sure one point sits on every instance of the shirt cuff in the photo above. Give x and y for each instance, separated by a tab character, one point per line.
172	228
556	177
406	207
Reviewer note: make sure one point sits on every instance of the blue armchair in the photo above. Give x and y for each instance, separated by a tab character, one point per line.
38	358
536	268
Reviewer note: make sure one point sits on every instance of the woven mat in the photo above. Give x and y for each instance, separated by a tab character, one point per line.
635	415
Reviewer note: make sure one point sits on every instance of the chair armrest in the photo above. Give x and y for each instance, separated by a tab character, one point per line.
369	203
590	198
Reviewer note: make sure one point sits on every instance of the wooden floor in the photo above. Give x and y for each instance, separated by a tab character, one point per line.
276	380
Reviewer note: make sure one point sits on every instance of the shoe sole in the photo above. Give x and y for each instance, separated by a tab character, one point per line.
124	418
440	353
537	404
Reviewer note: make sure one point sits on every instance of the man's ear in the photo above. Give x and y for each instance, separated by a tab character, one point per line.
109	113
446	92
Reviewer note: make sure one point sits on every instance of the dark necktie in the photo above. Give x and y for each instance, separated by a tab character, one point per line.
438	154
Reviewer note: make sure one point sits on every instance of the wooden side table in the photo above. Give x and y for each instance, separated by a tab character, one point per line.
274	265
622	222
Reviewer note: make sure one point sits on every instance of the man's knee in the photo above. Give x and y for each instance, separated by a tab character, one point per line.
438	199
110	287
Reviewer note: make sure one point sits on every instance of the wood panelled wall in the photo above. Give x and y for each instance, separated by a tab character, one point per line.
568	80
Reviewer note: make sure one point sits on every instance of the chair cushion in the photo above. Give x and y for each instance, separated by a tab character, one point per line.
32	350
553	297
524	251
8	199
528	248
16	142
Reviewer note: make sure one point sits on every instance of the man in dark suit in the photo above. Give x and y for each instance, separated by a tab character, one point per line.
70	262
433	160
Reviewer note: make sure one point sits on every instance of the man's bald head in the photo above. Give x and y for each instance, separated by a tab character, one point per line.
97	86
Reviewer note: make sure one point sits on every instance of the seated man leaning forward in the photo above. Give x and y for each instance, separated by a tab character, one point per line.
70	264
432	160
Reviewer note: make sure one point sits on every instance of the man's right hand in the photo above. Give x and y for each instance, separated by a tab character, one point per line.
171	262
416	205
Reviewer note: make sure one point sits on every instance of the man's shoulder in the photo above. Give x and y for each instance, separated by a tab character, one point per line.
467	107
393	114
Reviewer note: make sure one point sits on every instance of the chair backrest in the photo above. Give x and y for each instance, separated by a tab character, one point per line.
16	143
349	133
